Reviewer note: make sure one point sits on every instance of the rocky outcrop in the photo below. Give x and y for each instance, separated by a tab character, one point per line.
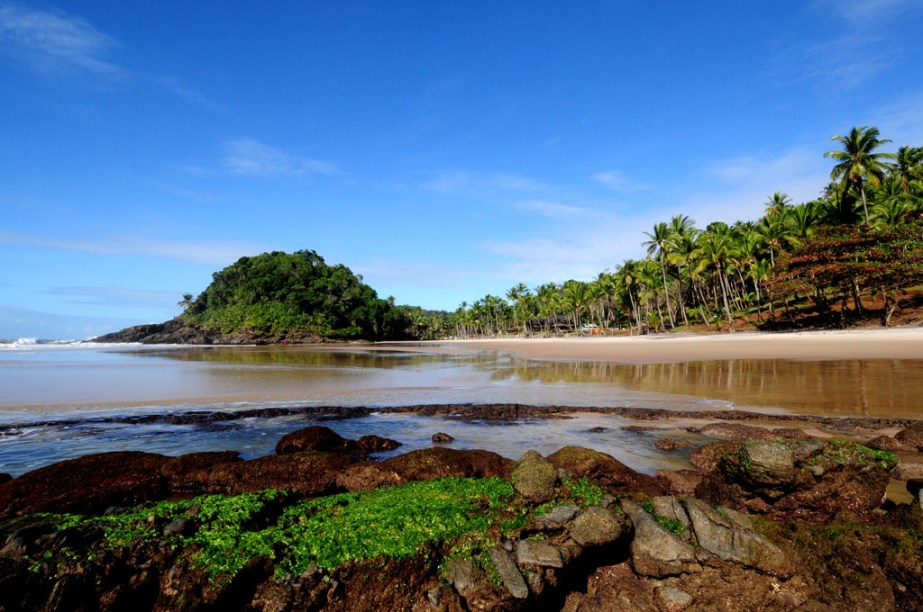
807	480
578	462
181	331
320	438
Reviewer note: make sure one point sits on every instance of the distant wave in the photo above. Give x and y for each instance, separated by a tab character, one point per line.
33	344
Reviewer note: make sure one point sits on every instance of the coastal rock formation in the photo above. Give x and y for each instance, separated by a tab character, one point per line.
808	480
609	472
573	547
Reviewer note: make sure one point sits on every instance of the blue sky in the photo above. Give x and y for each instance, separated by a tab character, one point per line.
443	150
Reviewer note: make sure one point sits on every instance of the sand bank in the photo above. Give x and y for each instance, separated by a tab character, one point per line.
894	343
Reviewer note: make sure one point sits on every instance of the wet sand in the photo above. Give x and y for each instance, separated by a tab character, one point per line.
894	343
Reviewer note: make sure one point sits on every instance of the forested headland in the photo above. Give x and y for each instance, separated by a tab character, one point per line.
849	256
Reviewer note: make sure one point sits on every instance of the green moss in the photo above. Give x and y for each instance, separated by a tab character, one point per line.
848	451
671	525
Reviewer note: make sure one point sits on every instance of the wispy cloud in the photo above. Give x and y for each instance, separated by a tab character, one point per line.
617	181
55	40
553	210
482	184
862	39
248	157
214	253
409	273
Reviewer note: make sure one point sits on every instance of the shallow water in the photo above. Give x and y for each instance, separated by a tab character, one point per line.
84	382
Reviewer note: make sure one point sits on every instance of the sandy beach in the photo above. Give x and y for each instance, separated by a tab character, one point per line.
894	343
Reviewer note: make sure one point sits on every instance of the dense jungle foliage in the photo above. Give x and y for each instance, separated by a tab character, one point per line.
282	293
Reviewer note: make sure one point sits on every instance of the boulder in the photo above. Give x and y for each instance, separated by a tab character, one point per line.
364	476
534	552
609	472
313	438
596	526
442	438
911	436
369	445
706	457
556	517
807	480
509	574
4	477
440	462
908	470
655	551
534	477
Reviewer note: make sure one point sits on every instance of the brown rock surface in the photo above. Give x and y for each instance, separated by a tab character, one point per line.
679	482
440	462
706	457
736	431
580	462
912	436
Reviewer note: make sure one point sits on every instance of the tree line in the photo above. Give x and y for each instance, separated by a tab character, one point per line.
863	236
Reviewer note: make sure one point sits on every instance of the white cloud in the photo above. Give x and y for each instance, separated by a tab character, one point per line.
54	40
249	157
409	273
215	253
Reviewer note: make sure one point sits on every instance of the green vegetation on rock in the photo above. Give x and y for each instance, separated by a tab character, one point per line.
283	293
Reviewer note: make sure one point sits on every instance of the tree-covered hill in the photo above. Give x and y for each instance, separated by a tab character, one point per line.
279	296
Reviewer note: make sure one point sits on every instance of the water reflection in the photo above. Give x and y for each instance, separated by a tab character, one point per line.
885	387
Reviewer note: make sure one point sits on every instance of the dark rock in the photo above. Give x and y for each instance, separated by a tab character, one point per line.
313	438
179	527
596	430
736	431
706	457
806	480
789	433
915	488
533	552
596	526
912	436
87	485
679	482
887	443
442	438
439	462
375	444
4	477
671	444
305	474
464	574
509	574
534	477
608	471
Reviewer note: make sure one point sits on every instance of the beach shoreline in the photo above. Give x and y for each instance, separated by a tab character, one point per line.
883	343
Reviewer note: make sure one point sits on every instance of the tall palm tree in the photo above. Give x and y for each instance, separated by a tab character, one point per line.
659	243
714	251
682	243
858	163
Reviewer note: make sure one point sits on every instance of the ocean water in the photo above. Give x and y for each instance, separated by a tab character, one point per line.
59	400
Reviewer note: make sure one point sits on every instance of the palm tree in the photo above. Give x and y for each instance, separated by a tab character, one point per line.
858	164
908	167
682	243
659	244
777	204
714	251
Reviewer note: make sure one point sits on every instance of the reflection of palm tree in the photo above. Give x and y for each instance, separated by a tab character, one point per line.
858	164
